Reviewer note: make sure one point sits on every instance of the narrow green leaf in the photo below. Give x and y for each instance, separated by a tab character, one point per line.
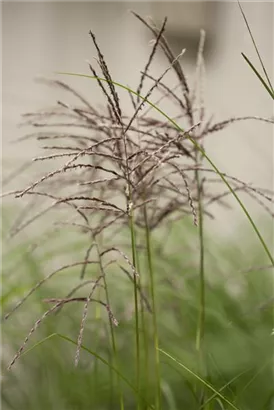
39	343
200	379
258	75
222	388
256	48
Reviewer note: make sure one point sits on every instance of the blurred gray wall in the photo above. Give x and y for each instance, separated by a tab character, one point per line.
42	38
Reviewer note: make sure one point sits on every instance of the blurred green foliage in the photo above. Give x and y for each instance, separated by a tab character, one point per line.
238	344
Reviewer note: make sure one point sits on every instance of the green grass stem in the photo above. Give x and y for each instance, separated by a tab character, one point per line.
158	402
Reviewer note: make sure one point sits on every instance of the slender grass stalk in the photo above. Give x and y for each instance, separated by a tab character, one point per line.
96	364
201	316
144	331
136	302
115	356
134	260
111	378
146	353
112	339
158	401
112	334
201	320
115	359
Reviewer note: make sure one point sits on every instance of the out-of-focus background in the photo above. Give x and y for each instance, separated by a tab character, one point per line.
40	38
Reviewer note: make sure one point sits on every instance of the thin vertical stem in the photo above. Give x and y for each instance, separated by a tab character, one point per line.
133	249
96	370
113	341
201	316
136	305
158	399
121	397
144	332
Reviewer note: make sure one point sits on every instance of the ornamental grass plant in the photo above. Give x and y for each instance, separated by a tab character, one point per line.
153	320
